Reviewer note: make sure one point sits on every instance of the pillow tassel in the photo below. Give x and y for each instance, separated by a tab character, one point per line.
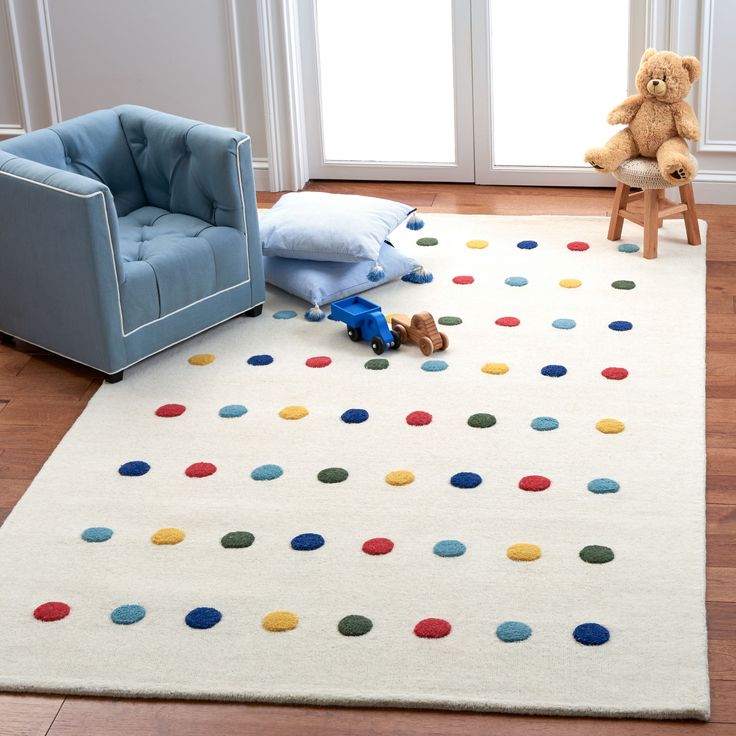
376	273
315	314
418	276
415	222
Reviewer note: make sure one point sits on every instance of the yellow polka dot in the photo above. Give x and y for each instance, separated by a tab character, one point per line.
477	244
570	283
293	412
168	535
523	552
610	426
280	621
400	478
495	369
202	359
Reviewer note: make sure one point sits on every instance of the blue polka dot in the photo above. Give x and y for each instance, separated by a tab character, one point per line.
203	618
260	360
516	281
564	324
513	631
466	480
434	366
232	411
449	548
620	326
97	534
544	424
307	542
267	472
527	244
603	485
591	634
127	615
284	314
555	371
628	248
134	467
354	416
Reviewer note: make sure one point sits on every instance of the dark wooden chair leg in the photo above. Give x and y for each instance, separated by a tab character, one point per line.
114	377
651	222
253	312
692	228
620	200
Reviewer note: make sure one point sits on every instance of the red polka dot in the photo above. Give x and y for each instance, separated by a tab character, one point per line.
170	410
432	628
615	374
418	418
577	245
463	280
378	546
319	361
51	611
200	470
534	483
508	321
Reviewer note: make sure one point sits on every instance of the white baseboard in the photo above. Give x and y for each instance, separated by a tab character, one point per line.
715	187
261	174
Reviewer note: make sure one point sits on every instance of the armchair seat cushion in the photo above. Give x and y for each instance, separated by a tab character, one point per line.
172	260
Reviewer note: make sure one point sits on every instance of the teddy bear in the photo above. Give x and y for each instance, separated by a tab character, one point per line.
658	119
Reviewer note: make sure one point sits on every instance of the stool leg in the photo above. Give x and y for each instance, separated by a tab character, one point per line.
620	200
692	228
651	222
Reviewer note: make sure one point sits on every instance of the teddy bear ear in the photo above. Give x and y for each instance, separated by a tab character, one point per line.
693	67
648	55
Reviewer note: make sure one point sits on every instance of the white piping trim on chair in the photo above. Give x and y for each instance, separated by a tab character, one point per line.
114	265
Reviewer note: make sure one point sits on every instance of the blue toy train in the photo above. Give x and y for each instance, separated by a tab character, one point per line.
365	321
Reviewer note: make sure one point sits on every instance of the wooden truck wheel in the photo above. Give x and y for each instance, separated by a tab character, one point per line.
445	341
403	334
425	345
354	333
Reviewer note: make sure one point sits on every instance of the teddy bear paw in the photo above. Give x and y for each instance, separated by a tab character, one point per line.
597	159
679	173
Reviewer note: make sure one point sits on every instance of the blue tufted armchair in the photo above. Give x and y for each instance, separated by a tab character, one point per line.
125	231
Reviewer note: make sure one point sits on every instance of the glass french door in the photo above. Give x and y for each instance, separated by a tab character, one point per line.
490	91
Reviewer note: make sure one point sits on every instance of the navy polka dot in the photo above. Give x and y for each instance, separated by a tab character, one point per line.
466	480
307	542
134	467
260	360
203	618
554	371
354	416
591	634
527	244
620	326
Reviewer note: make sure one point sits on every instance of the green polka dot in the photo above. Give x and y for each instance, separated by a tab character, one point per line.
332	475
596	554
377	364
236	540
427	241
450	321
481	421
354	625
623	284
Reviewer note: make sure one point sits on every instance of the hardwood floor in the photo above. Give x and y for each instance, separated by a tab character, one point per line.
41	395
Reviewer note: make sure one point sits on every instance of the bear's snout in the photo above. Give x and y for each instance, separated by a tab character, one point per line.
657	87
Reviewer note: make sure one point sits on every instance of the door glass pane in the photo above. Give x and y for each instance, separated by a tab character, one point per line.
386	80
557	69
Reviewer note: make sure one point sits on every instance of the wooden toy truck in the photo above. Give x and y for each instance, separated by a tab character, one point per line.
421	330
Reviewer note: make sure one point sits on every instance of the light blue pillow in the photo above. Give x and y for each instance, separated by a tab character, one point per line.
319	226
320	282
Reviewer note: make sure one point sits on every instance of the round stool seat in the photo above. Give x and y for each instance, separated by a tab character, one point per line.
643	173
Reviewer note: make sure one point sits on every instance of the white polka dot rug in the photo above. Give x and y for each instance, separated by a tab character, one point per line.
272	512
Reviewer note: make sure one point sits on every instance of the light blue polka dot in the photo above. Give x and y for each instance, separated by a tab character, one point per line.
564	324
449	548
126	615
96	534
545	424
232	411
434	365
516	281
513	631
628	248
267	472
284	314
603	485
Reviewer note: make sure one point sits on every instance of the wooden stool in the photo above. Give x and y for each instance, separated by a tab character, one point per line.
644	174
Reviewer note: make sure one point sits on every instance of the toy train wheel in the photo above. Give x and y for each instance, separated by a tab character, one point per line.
397	340
426	346
354	333
378	345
